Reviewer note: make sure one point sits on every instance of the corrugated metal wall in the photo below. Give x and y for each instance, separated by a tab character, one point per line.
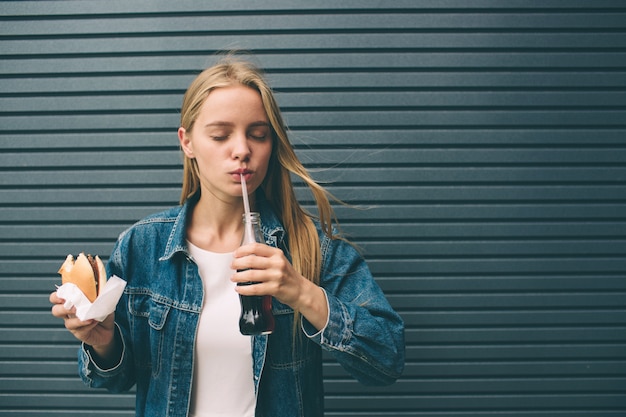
487	139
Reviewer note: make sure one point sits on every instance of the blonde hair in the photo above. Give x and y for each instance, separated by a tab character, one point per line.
302	238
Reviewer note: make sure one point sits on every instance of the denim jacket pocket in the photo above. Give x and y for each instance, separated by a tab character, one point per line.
286	351
149	319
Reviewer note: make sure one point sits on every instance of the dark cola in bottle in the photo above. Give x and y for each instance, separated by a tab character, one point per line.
256	311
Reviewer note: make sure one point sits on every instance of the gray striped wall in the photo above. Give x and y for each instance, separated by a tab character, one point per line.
484	139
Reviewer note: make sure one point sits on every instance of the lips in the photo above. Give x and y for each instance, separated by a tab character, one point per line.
236	174
241	171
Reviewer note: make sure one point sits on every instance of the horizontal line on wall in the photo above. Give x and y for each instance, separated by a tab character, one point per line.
339	128
496	278
586	239
476	221
78	14
315	90
490	127
332	187
618	254
500	276
512	361
369	136
451	240
529	344
361	205
336	109
350	70
389	89
308	51
437	228
443	326
339	166
372	30
362	147
368	203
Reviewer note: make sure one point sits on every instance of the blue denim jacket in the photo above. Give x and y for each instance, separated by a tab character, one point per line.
158	313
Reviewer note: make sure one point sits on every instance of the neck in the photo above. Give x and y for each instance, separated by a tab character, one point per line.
216	225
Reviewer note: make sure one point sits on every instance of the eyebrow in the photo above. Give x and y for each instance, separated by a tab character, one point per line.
218	124
260	123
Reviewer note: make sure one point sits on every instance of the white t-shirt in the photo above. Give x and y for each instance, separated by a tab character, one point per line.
223	377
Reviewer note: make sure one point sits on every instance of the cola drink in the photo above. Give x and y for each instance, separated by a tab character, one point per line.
256	311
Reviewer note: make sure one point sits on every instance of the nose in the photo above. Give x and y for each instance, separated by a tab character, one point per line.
241	149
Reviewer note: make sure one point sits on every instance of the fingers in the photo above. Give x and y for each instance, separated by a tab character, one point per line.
72	323
88	331
257	249
54	298
269	269
255	276
258	256
78	327
59	310
250	262
260	270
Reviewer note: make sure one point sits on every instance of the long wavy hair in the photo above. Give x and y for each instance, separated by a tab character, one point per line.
302	238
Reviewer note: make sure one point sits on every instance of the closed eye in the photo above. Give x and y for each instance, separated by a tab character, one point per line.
259	131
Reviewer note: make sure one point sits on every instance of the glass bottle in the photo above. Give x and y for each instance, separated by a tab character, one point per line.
256	311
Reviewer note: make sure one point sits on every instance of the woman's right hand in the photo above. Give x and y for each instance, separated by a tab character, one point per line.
99	335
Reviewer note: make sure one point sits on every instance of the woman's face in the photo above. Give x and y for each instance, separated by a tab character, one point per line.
231	136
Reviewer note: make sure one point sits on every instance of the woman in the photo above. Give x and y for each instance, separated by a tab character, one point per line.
174	333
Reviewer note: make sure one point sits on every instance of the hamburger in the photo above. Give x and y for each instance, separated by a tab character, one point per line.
86	272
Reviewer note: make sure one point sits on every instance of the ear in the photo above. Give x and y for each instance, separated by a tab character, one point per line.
185	143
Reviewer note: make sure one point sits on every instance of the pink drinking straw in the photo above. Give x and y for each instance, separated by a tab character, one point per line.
246	206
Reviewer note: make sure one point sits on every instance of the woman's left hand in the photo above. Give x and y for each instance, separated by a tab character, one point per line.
274	275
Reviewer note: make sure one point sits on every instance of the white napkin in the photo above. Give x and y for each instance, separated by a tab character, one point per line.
101	307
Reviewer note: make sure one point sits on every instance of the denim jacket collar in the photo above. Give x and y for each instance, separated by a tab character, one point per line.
177	242
270	224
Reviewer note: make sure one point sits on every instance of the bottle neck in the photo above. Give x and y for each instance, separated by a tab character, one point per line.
252	228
